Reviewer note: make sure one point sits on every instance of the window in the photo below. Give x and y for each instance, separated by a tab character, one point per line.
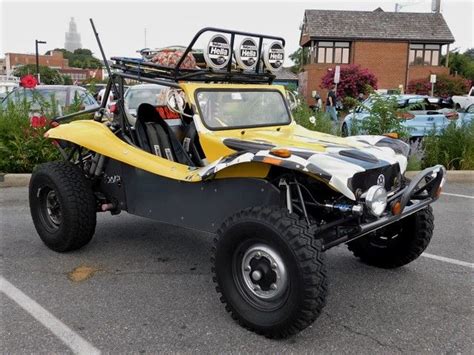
424	54
223	108
332	52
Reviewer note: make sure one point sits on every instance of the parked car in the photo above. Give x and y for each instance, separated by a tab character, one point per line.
426	113
63	94
7	84
464	101
465	116
142	93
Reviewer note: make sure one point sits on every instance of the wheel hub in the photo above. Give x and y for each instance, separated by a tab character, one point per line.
263	272
53	208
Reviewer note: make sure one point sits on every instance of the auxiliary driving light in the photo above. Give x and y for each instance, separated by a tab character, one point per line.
376	200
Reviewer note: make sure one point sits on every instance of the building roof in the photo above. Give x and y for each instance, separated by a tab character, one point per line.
285	74
377	24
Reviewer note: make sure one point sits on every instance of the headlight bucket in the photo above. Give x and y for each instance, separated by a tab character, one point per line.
376	200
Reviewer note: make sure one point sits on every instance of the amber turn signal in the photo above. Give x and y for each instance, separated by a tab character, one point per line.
281	152
396	208
393	135
273	161
438	192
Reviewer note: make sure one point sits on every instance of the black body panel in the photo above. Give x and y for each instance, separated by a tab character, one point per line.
368	178
197	205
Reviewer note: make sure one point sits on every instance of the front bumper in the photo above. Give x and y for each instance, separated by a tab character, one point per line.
423	190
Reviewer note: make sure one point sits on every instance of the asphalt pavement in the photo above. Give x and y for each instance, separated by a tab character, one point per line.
150	290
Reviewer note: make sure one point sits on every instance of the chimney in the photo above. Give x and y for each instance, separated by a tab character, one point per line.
435	6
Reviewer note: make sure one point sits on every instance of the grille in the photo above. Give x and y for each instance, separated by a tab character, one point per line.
368	178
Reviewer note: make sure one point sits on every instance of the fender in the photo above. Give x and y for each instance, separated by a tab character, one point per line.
97	137
337	166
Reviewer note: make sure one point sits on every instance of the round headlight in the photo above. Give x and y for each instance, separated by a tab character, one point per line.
376	200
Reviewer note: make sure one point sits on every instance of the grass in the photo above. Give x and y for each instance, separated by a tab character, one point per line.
453	147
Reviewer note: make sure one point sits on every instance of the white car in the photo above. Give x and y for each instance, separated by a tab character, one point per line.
461	102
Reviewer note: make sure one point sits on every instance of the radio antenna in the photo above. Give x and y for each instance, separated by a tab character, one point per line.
104	58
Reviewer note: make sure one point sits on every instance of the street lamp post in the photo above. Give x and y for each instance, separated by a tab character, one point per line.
37	58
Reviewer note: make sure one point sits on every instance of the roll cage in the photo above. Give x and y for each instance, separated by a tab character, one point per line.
143	71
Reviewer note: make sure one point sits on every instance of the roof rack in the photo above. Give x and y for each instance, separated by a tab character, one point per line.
139	68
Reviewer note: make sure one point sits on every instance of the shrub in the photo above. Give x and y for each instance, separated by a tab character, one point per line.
415	158
384	117
446	86
453	147
354	80
49	76
23	146
316	121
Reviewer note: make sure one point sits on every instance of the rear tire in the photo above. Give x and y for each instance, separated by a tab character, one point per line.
62	205
397	244
270	271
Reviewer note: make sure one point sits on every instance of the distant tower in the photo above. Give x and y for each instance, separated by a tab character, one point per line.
73	38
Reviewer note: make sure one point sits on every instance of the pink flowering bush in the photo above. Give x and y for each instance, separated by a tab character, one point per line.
354	80
445	86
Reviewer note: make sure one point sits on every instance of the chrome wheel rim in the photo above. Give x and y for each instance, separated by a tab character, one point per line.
263	272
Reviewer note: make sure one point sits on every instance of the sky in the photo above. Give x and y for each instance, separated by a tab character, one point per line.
122	24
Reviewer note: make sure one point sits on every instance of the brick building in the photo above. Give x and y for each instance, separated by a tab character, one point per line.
396	46
55	60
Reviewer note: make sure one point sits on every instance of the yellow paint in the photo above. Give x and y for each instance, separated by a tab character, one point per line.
98	138
288	136
82	273
256	170
190	88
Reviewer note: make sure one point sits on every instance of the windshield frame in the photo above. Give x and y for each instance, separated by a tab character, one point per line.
285	103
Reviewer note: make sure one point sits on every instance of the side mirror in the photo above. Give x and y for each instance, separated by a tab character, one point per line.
292	100
175	101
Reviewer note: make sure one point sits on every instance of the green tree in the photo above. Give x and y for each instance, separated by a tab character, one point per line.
80	58
48	75
461	63
299	58
67	80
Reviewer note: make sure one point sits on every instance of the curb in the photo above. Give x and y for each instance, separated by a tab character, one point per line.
14	180
22	180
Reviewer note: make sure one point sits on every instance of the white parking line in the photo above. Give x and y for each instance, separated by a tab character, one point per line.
457	195
448	260
73	340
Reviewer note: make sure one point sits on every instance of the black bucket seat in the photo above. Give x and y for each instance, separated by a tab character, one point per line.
156	137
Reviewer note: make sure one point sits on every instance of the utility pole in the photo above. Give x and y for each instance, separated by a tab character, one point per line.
37	58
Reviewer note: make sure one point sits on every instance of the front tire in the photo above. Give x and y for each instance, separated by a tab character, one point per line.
62	205
270	271
397	244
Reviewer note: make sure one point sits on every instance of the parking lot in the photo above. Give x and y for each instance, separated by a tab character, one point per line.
150	290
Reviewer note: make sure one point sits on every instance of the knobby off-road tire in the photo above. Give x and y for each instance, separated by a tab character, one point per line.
398	244
62	206
277	249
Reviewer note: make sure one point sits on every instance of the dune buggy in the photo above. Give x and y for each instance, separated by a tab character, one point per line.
223	155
